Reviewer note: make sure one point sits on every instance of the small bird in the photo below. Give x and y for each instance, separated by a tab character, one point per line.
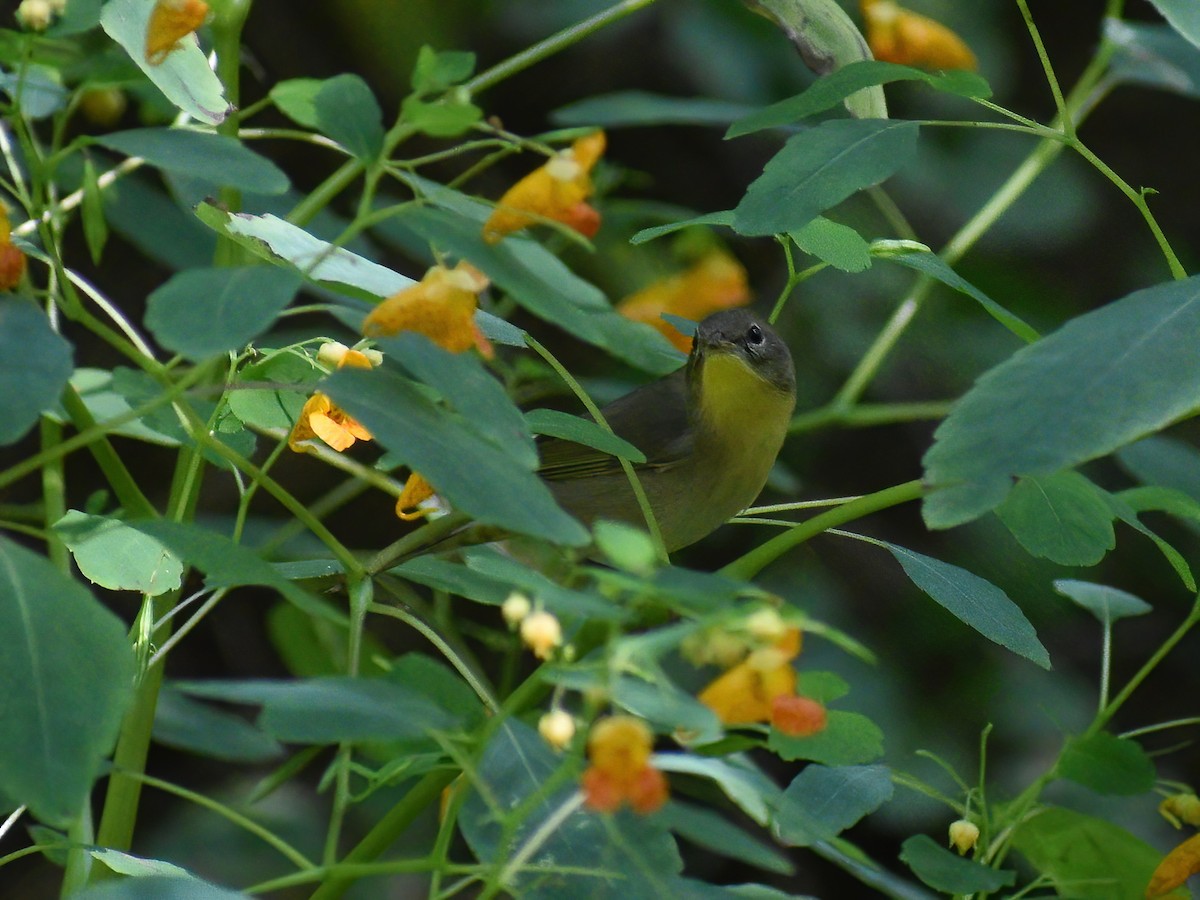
710	433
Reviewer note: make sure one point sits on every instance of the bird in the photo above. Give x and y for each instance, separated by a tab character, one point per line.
710	432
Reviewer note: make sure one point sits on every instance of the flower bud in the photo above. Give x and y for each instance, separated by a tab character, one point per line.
963	835
766	625
557	727
1180	809
798	716
541	633
331	353
35	15
515	608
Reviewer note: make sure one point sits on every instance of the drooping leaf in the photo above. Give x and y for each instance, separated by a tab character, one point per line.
831	242
949	872
1108	604
822	802
821	167
1062	517
201	312
738	778
722	217
849	739
113	555
184	77
553	423
215	158
205	730
975	601
68	673
1102	380
35	364
1107	764
632	108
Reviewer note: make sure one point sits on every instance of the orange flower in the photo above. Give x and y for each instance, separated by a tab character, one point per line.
441	307
716	282
322	418
170	22
762	688
12	260
1177	867
898	35
556	191
416	491
620	771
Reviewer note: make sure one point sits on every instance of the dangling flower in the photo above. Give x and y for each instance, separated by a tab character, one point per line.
963	835
441	306
170	22
557	191
542	633
12	260
1179	809
898	35
620	771
716	282
1177	867
557	728
321	417
762	688
416	491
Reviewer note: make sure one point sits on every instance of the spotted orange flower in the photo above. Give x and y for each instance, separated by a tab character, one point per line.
716	282
416	491
440	306
557	191
170	22
322	418
620	771
762	688
12	260
898	35
1177	867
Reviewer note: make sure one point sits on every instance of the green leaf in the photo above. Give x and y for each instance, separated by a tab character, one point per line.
1087	858
79	16
460	462
296	99
1183	16
143	214
848	740
437	71
666	707
1126	512
113	555
709	831
202	312
333	709
976	602
824	687
226	564
348	112
821	167
95	227
831	242
444	118
136	866
184	77
1062	517
626	546
214	158
949	872
185	724
557	424
822	802
35	364
723	217
632	108
738	778
35	90
1102	380
509	802
921	259
1107	604
273	407
68	671
158	887
1154	56
836	86
1165	462
1107	764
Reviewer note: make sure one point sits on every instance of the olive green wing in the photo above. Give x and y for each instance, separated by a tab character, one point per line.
654	418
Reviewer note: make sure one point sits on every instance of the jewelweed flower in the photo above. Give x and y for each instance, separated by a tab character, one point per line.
321	417
963	834
515	608
541	633
170	22
557	728
1179	809
619	771
898	35
440	306
415	492
35	15
12	260
715	282
1177	867
556	191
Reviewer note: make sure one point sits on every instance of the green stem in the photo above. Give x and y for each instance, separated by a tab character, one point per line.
1064	114
54	500
116	473
867	414
747	566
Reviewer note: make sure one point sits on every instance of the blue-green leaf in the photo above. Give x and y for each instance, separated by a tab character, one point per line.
630	108
1183	16
1107	604
831	242
1062	517
723	217
215	158
1154	56
186	724
712	832
348	112
948	872
554	423
848	739
115	556
822	802
35	365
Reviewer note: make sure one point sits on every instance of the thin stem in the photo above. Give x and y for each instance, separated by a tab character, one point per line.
1105	664
1060	104
862	415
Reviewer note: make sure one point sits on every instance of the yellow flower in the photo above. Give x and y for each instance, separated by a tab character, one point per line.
441	306
170	22
620	771
716	282
322	418
541	633
12	260
557	728
557	191
898	35
1181	808
963	834
1177	867
416	491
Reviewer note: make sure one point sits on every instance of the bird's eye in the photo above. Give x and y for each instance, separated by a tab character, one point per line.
754	335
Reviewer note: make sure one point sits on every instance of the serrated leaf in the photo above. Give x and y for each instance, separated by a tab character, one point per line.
949	872
1107	764
202	312
975	601
1102	380
821	802
1107	604
35	365
68	673
439	70
115	556
1062	517
831	242
215	158
821	167
444	118
848	739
